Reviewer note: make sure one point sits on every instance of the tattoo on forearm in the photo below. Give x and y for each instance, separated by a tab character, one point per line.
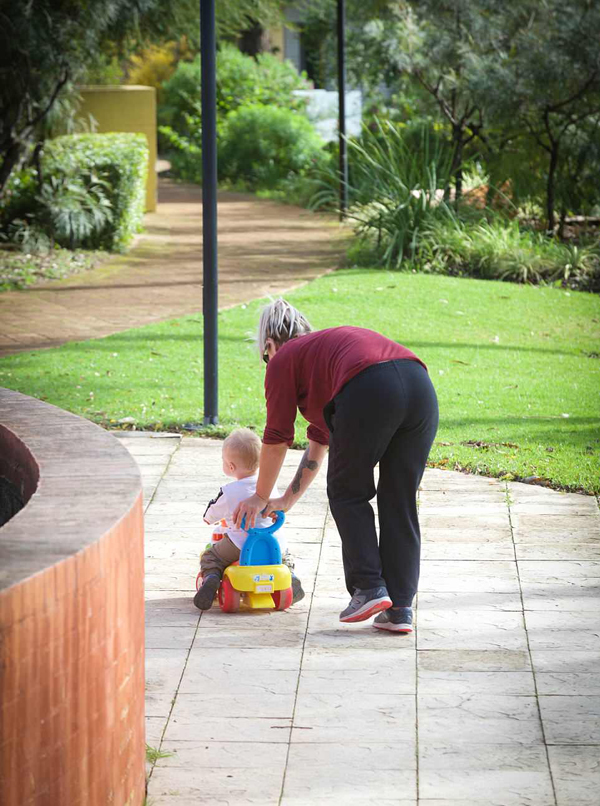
307	463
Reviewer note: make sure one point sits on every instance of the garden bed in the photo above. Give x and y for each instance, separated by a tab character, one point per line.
20	270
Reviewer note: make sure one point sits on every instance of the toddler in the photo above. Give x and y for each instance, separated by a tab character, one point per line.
241	454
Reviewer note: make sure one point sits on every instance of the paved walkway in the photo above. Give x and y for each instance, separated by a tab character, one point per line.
264	248
495	701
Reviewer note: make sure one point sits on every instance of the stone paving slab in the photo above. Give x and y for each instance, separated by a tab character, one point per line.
494	701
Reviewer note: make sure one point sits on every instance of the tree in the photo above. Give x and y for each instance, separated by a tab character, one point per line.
430	42
47	44
548	83
517	83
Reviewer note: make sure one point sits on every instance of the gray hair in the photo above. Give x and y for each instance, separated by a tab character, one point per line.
281	322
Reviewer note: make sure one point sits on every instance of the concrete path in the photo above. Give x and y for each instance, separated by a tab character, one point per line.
495	701
264	248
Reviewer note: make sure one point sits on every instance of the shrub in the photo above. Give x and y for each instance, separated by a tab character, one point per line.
154	65
240	80
180	96
70	210
261	146
121	160
185	151
92	194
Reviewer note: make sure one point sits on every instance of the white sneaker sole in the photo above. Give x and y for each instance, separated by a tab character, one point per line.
369	609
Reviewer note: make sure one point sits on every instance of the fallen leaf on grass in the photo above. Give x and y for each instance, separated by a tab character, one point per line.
541	480
479	443
457	361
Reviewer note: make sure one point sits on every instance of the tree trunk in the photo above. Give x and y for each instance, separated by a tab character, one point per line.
254	40
36	161
561	223
551	188
11	159
457	158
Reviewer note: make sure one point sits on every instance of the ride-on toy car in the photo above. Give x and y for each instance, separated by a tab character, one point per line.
259	579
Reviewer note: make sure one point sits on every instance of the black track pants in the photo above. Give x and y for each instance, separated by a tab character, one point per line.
387	414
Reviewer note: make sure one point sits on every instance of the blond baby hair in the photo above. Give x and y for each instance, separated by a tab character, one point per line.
244	445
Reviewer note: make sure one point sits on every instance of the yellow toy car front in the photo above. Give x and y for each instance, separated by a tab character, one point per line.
258	586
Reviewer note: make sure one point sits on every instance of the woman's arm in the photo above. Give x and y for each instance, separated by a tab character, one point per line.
309	466
271	459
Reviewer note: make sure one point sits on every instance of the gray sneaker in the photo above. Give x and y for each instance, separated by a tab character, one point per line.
365	603
400	620
297	589
205	595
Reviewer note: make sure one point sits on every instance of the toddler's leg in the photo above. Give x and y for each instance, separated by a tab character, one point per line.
297	589
213	561
216	558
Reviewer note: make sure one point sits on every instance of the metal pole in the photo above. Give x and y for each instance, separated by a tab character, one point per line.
343	166
210	290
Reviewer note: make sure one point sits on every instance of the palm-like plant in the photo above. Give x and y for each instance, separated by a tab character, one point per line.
396	185
72	210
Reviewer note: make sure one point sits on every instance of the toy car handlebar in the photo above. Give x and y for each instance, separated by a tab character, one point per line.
266	530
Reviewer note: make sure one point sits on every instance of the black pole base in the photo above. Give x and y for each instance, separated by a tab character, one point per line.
210	420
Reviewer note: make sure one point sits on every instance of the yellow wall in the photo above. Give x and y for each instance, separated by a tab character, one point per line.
125	109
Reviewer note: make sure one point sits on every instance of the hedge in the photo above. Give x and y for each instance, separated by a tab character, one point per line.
122	160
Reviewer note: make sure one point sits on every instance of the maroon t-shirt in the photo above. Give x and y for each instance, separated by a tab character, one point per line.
307	372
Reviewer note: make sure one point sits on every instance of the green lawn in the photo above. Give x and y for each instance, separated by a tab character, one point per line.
517	369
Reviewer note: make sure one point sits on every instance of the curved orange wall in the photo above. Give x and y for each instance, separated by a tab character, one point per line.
71	616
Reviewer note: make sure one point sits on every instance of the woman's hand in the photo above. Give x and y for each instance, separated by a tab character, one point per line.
282	504
249	509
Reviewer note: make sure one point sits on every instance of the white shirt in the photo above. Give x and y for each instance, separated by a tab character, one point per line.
224	505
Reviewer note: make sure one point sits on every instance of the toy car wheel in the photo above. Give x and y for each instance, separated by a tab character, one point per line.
229	598
199	580
283	599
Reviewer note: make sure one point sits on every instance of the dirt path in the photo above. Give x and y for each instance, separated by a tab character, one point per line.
264	248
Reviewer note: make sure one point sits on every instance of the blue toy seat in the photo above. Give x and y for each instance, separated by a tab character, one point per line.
261	546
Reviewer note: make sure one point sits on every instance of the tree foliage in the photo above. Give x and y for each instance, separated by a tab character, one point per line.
47	44
542	87
516	84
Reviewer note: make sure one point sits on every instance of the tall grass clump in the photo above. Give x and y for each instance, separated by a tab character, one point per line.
396	189
498	248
